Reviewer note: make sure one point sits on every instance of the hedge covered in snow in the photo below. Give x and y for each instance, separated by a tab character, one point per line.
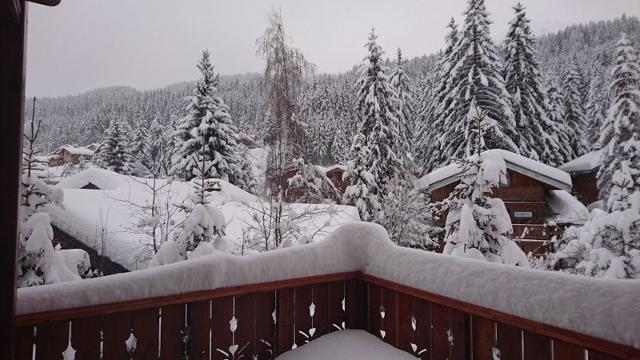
607	309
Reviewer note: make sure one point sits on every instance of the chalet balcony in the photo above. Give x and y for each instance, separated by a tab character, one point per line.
426	305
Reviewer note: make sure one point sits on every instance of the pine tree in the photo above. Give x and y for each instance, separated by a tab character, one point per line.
573	113
208	124
555	114
115	153
621	128
596	110
474	75
374	160
478	226
407	108
429	145
538	135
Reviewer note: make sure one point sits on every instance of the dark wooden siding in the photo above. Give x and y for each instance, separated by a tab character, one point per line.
585	187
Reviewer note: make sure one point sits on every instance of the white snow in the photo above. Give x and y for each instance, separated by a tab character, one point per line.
606	309
72	149
566	207
346	345
584	163
84	210
518	163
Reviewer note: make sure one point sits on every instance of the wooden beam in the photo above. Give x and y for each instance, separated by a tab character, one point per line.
12	62
46	2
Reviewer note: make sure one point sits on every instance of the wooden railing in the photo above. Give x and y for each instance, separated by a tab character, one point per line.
260	321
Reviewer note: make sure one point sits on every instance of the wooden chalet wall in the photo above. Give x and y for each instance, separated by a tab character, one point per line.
585	187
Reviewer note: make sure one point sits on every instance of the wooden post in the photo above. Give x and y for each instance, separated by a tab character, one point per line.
12	62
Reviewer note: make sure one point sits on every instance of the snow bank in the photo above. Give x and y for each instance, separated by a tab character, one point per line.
347	344
605	309
518	163
85	210
584	163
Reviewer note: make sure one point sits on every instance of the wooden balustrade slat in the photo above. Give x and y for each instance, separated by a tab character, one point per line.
51	340
460	345
405	330
221	336
390	323
24	340
145	328
302	319
85	337
422	337
199	324
536	347
336	315
245	313
563	350
356	303
440	332
483	333
321	317
285	323
265	330
375	311
116	329
509	340
596	355
171	338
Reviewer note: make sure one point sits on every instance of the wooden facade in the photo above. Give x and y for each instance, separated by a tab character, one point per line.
525	200
585	187
261	321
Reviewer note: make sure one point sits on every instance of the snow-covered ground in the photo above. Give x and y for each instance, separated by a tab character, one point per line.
85	211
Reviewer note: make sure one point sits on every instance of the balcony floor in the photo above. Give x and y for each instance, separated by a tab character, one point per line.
347	345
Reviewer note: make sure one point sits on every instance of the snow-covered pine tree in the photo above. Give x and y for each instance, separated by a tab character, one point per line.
596	110
622	125
374	160
538	135
608	244
115	154
477	225
209	124
429	144
555	114
574	119
407	106
156	155
476	74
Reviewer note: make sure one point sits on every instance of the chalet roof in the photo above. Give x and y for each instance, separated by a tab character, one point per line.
583	164
544	173
72	149
332	167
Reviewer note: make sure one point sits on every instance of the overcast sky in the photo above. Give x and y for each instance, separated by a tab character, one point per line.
85	44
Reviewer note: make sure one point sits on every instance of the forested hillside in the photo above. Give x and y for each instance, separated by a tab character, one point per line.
327	102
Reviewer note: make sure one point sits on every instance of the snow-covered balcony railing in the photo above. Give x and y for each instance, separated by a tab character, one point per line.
430	305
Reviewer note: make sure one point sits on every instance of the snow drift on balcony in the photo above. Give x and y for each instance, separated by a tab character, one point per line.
347	344
607	309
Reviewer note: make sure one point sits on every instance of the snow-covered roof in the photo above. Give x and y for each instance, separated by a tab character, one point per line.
518	163
72	149
583	164
566	208
103	179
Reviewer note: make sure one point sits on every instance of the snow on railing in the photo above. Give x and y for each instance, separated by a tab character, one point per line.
602	309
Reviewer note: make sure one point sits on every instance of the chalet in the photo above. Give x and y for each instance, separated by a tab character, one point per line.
584	172
333	188
71	154
536	196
